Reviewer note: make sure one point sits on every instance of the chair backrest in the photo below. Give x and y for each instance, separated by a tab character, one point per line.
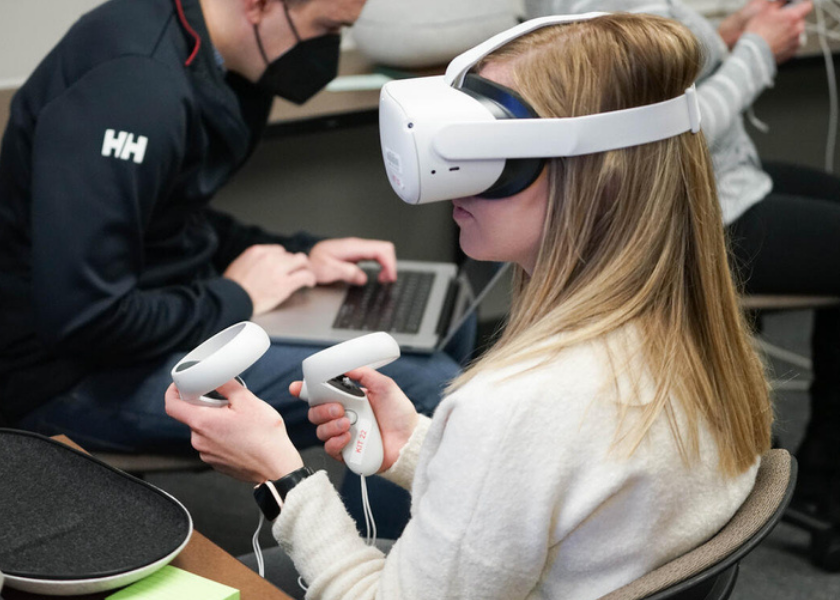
786	302
718	558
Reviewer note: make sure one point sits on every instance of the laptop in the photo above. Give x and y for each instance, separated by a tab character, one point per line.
422	310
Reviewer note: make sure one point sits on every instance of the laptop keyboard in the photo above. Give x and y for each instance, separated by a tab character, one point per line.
395	307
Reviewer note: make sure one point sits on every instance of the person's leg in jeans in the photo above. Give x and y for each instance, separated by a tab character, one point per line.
122	409
787	244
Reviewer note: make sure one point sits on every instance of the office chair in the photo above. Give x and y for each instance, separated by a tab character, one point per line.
824	550
709	571
760	303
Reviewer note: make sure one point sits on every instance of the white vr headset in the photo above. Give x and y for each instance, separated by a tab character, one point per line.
461	135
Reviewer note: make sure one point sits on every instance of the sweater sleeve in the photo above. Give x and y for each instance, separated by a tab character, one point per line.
104	153
321	538
732	88
473	532
235	238
402	471
447	549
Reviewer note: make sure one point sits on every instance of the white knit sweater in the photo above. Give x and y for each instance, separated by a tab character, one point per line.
728	85
518	493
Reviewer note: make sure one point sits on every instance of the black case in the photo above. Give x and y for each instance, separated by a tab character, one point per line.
70	524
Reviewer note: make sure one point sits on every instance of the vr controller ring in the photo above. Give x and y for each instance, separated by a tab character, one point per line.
218	360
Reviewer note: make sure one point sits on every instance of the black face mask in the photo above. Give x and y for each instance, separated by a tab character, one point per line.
304	70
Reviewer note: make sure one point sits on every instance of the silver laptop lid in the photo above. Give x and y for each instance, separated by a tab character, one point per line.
476	279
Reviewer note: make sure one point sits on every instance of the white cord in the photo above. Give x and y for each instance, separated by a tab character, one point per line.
828	33
821	8
255	542
370	533
829	7
831	141
370	524
756	122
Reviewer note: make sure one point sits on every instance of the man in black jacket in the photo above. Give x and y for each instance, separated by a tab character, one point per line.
112	265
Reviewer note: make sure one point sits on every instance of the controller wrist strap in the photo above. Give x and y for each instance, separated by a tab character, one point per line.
370	523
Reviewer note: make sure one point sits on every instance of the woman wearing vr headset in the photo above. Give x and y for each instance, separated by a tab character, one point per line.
618	421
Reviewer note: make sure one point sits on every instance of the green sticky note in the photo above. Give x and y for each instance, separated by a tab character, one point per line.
171	583
358	83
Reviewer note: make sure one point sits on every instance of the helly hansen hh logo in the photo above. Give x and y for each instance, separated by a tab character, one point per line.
123	145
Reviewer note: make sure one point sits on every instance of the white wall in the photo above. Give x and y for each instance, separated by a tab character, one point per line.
29	29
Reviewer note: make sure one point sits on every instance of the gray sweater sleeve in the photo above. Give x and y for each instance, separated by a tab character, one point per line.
741	77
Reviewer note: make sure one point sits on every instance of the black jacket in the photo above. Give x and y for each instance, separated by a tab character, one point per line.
114	148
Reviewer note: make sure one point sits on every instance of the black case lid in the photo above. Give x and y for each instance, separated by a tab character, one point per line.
65	515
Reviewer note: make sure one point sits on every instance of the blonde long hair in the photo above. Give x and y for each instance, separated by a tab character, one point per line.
635	235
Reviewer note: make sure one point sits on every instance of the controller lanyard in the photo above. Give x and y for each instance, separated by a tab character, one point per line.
370	532
370	524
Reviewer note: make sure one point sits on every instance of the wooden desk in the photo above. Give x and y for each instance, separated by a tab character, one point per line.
332	110
5	99
202	557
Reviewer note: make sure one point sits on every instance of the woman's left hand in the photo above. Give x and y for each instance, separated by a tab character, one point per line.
246	440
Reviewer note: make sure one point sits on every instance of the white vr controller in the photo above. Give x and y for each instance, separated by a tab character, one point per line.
228	353
218	360
324	381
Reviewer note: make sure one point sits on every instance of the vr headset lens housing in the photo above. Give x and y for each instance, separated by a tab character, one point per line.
461	135
410	116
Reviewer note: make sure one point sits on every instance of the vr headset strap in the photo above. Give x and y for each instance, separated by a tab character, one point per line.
574	136
461	64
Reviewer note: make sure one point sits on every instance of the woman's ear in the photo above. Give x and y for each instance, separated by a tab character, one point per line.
254	10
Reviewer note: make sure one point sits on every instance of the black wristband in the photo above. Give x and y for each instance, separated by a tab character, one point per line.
271	495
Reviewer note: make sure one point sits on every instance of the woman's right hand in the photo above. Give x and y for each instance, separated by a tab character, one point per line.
394	412
781	25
